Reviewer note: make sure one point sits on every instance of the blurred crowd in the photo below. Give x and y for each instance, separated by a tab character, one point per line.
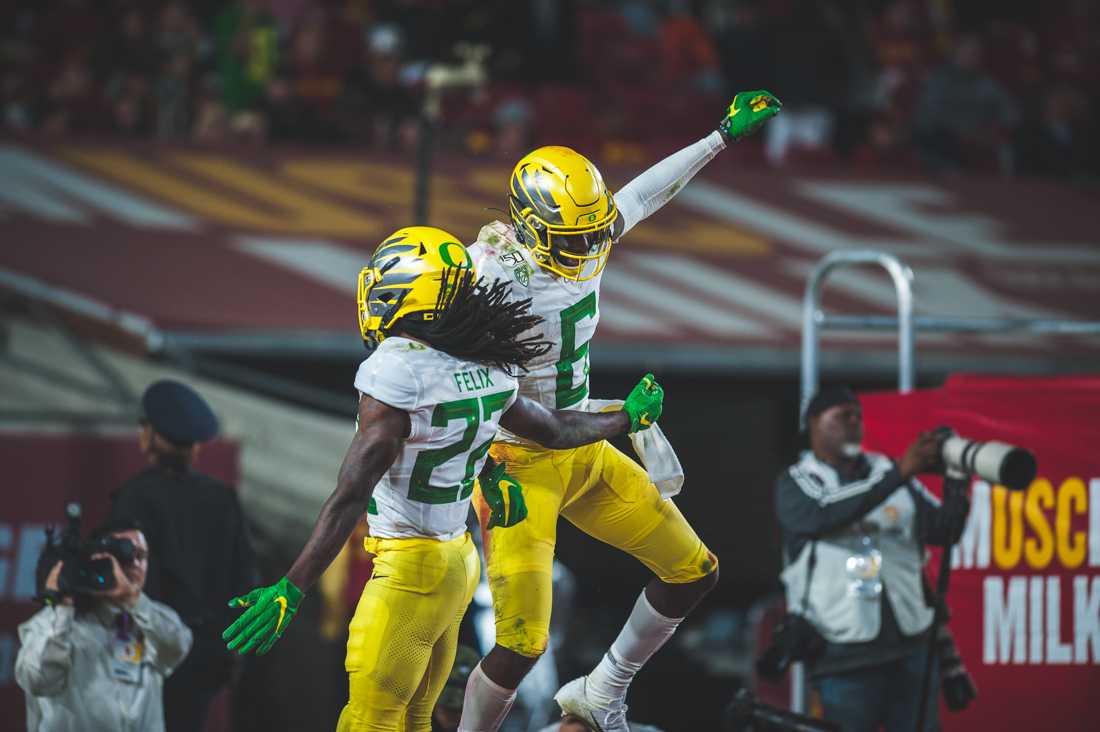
941	85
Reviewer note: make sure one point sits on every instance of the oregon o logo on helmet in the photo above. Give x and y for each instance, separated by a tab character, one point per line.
592	217
445	254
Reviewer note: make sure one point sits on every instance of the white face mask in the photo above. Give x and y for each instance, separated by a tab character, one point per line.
851	449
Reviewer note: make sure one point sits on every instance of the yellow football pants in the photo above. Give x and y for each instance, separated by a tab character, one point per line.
606	495
403	637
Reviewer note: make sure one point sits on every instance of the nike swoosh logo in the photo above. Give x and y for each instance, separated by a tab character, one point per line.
281	601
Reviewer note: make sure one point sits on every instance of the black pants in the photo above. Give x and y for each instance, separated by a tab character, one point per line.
190	689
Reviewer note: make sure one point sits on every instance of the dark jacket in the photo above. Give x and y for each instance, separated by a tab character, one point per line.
199	552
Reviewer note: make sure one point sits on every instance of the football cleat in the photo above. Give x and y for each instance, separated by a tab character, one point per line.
573	698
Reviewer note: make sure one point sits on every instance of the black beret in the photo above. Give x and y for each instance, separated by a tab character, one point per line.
830	396
178	413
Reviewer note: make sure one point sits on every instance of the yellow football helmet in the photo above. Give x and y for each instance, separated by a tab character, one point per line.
562	211
404	277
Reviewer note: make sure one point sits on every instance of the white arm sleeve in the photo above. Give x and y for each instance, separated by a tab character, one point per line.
641	197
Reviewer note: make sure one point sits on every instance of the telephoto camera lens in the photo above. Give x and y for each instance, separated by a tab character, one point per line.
997	462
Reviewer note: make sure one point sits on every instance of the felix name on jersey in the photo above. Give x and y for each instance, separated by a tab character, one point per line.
472	380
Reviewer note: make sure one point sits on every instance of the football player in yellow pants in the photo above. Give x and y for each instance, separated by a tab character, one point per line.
563	224
605	494
438	383
394	631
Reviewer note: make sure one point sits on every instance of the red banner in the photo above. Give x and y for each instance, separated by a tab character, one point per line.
43	472
1025	584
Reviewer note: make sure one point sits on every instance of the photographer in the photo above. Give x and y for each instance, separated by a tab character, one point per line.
97	661
854	527
196	529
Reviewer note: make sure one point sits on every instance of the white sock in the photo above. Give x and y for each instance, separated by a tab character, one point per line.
646	630
485	704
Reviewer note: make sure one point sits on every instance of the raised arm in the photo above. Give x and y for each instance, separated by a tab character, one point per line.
804	509
376	444
645	194
558	429
45	651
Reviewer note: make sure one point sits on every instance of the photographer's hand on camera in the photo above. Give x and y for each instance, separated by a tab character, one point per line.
53	589
922	456
125	593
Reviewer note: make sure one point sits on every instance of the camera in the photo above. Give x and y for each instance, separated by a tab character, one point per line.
80	574
746	714
997	462
794	639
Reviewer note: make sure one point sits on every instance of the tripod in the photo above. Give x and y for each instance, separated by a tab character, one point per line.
954	487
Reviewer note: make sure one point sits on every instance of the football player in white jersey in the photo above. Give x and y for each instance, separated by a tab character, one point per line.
439	382
563	224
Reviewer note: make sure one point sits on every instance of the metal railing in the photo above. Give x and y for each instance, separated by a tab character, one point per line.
814	319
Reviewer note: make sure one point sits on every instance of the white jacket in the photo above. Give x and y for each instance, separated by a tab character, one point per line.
65	668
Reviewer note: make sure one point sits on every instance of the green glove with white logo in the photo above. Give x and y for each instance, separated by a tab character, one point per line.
504	496
747	112
645	403
268	611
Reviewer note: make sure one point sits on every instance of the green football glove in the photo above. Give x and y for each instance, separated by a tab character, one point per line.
504	496
269	611
747	112
645	403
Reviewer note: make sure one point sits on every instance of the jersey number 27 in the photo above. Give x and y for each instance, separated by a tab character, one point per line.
474	411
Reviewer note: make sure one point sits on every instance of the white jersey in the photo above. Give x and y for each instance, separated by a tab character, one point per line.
454	409
570	311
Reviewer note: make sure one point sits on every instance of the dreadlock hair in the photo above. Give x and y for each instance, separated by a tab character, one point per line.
474	320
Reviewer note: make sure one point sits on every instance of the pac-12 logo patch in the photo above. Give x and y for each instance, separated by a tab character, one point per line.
522	274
